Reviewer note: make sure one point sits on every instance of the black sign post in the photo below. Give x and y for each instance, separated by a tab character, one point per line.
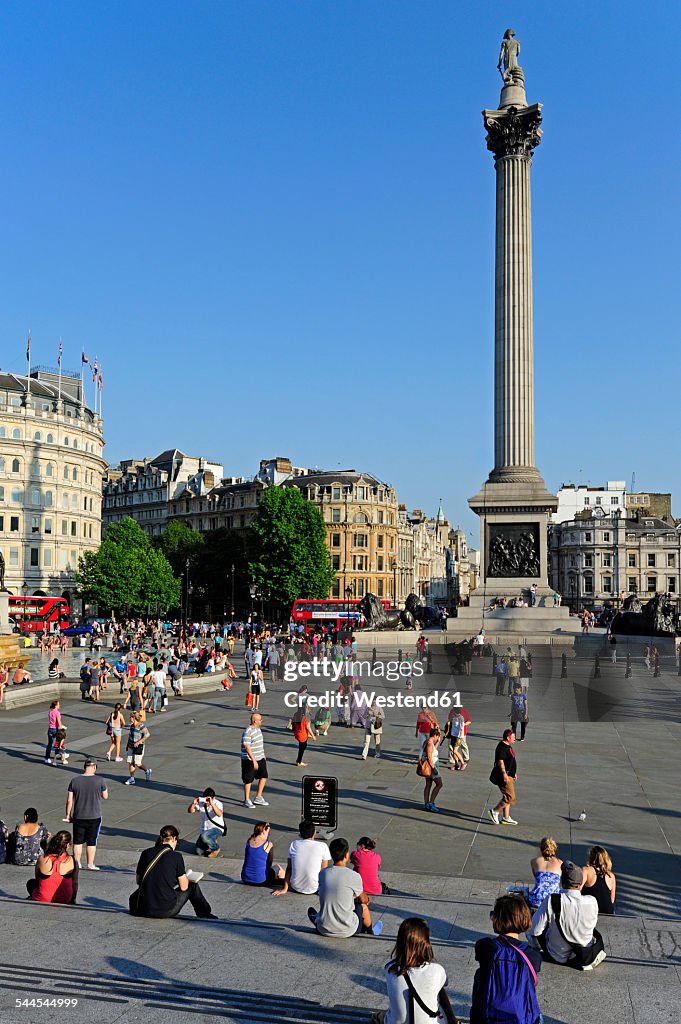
320	801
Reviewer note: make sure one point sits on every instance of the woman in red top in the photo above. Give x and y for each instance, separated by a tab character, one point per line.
366	863
302	731
56	873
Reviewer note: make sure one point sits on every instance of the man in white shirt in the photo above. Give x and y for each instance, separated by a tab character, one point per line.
564	925
212	823
159	679
306	858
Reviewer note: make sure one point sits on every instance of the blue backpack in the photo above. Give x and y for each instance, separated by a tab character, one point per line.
506	990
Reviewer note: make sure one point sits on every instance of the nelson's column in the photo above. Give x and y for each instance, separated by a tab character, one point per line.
514	503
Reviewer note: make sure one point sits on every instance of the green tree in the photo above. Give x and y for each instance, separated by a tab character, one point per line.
289	556
127	574
212	576
180	544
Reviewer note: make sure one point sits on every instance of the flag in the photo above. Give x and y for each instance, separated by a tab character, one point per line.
60	352
99	380
84	358
28	348
94	370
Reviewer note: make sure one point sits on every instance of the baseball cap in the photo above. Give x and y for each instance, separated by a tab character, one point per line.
571	873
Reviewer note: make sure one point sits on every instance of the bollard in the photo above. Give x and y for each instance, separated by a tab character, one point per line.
627	671
494	663
399	655
373	656
597	667
563	667
679	657
429	667
656	673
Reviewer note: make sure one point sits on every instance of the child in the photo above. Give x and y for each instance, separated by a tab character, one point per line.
519	711
59	747
322	720
366	863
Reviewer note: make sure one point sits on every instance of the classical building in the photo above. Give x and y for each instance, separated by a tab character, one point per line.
650	503
144	489
51	468
598	559
575	499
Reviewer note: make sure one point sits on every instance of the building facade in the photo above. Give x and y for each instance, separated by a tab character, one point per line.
574	499
650	503
145	489
600	560
51	469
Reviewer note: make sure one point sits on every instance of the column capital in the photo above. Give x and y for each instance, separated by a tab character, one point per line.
514	131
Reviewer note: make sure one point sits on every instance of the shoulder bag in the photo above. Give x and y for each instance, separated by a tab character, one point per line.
134	900
433	1014
424	768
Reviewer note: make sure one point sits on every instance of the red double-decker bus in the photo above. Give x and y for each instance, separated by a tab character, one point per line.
334	614
35	614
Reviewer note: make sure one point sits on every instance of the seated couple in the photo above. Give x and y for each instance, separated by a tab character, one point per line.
343	904
164	885
564	925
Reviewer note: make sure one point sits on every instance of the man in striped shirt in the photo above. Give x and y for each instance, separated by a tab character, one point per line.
253	762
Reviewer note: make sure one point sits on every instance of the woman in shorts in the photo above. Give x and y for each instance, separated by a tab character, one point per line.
137	738
116	722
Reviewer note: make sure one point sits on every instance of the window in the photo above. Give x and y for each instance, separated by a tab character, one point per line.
35	468
48	526
74	501
380	540
335	515
74	528
360	588
65	500
16	434
335	589
379	565
632	584
2	524
361	518
588	584
606	537
35	496
16	494
16	465
35	524
75	442
614	500
361	540
2	465
62	558
335	562
14	556
607	584
64	528
361	493
588	561
380	517
66	442
50	439
631	561
607	560
651	584
587	501
47	499
2	432
14	524
84	504
599	499
37	436
335	540
359	562
34	557
47	558
572	561
651	561
671	561
380	588
66	472
671	584
335	493
50	469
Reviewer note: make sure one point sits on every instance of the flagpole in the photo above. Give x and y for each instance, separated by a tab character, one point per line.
82	381
59	391
28	378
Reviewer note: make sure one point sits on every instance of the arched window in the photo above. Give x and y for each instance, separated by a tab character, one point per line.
75	473
361	518
75	442
16	434
16	466
66	472
50	469
37	436
66	441
50	438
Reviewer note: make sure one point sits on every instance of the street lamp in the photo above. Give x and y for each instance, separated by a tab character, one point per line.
348	595
232	591
190	591
394	582
24	588
252	590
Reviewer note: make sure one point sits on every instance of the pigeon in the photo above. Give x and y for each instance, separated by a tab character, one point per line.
582	816
190	722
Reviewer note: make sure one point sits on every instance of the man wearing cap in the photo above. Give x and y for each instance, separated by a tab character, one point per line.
84	810
564	925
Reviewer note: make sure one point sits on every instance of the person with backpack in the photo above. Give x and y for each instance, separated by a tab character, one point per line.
519	712
504	987
416	984
564	926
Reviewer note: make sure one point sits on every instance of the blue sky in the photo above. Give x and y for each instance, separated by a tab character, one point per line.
273	224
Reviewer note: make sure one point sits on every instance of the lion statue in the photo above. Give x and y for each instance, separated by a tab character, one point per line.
378	617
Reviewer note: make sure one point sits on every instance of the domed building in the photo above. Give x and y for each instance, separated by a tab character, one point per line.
51	468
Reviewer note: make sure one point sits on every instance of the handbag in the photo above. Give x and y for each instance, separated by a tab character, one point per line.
424	768
109	728
134	899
